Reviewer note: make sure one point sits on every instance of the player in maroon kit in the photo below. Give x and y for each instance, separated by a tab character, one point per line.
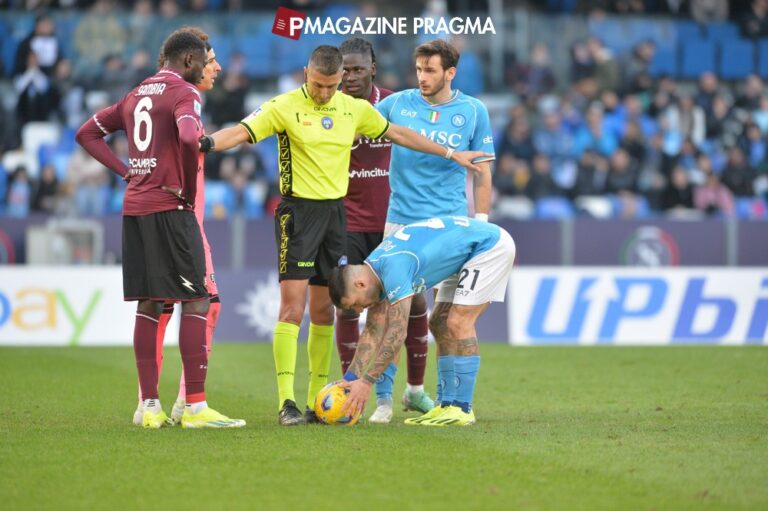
210	72
163	254
366	204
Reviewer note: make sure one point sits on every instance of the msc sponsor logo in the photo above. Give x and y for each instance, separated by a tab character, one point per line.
442	137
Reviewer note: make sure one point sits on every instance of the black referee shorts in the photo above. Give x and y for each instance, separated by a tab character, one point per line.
311	236
163	257
361	244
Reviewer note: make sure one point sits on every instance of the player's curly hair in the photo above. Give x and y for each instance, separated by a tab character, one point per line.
337	284
180	43
449	55
326	59
358	45
199	32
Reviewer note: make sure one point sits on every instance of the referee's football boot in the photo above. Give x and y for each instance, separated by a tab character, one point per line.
452	416
208	418
434	412
290	415
310	417
417	401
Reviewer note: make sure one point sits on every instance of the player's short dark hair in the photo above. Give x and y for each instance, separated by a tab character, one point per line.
357	45
449	55
337	284
181	42
326	59
199	32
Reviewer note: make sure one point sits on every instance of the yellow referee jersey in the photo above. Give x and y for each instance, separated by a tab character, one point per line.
314	141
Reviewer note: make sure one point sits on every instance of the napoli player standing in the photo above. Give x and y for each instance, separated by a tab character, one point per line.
163	256
424	186
366	206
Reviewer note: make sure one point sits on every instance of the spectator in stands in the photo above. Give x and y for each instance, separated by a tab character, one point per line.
227	103
636	114
583	65
511	176
99	34
633	142
738	176
605	66
595	136
541	183
46	191
679	192
720	123
634	69
713	197
708	11
755	23
557	143
709	89
754	146
517	140
760	115
751	94
87	181
19	194
71	95
622	174
591	176
37	99
142	26
688	119
534	78
43	44
470	78
115	79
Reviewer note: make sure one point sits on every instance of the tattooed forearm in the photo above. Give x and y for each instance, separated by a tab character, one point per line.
467	347
393	338
375	324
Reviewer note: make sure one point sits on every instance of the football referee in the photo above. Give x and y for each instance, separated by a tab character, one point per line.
316	127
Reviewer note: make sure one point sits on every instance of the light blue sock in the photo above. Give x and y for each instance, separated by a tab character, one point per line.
385	382
466	375
447	378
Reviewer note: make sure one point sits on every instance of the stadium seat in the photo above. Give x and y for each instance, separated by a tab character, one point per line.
14	159
222	45
612	32
257	50
697	57
33	136
596	206
762	58
751	208
687	30
219	199
554	208
721	32
518	207
737	58
664	62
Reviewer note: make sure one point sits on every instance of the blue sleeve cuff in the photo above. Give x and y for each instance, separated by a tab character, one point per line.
350	376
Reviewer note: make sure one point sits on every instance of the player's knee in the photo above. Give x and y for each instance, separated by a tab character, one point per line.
150	308
457	324
437	325
290	313
196	307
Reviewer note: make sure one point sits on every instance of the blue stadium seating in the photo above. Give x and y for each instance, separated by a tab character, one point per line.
253	201
257	50
222	45
751	207
762	58
664	62
696	57
687	30
553	208
720	32
737	59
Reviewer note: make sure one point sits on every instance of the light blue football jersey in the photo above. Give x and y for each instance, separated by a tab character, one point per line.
424	185
423	254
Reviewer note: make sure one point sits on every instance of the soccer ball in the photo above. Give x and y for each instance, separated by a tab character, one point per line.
328	403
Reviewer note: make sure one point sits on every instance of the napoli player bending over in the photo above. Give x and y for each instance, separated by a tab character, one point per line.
414	258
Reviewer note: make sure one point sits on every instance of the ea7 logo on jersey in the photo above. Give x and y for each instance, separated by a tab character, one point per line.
407	113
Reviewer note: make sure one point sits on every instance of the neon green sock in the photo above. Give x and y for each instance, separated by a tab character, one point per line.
319	348
284	350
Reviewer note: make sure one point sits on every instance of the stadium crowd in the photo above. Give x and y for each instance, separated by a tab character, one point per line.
619	136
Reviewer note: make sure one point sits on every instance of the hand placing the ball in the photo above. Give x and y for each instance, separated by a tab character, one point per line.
359	392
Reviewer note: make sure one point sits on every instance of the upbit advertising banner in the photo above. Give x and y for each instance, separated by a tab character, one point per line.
638	306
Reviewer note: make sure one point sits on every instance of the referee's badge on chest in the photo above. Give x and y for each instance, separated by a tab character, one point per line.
327	122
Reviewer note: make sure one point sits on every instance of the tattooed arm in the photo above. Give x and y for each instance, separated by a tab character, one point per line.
385	345
375	323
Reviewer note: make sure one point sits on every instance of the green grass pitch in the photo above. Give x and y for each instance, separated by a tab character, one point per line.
660	428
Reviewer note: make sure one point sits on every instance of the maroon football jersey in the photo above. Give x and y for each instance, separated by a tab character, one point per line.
149	115
368	195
